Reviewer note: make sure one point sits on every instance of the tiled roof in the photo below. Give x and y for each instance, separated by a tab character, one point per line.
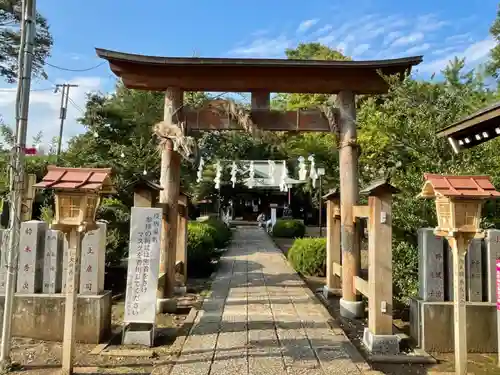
77	179
458	186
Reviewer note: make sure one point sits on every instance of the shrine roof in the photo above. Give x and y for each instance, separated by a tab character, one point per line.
378	187
458	186
86	179
332	193
475	129
246	75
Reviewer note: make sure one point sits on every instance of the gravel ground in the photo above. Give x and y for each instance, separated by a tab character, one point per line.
41	357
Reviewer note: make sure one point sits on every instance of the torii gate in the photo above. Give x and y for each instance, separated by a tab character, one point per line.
261	77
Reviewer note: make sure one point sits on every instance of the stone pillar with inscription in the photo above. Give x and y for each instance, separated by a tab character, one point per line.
93	260
430	265
52	264
492	250
65	245
473	271
142	275
31	251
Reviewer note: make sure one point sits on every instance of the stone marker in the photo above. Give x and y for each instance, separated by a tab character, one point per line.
52	264
473	271
93	261
31	251
4	243
430	265
448	268
492	250
65	246
142	275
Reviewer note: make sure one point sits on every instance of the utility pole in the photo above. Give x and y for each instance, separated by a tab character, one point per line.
62	113
17	169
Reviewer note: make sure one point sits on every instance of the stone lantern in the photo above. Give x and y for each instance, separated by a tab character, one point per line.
77	196
459	200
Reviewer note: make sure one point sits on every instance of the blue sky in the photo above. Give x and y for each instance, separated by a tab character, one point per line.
370	29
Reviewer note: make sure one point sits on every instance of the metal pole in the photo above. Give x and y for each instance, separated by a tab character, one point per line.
17	176
320	205
62	114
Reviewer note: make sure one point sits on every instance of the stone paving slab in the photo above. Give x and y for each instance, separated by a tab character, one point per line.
260	319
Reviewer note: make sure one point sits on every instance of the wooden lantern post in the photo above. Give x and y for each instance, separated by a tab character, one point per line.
333	251
459	201
77	196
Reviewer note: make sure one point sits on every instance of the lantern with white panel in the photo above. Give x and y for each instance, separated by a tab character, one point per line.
77	195
459	201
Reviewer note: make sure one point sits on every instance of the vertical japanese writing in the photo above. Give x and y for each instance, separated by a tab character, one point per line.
143	264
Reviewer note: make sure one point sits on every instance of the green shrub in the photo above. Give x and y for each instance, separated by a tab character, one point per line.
222	233
200	249
289	228
308	256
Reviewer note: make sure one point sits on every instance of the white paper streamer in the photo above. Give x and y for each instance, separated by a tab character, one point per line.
251	175
313	173
272	169
302	169
199	174
218	175
284	177
234	172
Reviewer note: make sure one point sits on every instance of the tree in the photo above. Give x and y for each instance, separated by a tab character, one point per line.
493	66
10	37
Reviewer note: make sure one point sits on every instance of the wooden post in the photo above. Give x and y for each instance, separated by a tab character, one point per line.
143	198
350	306
74	237
28	196
459	245
181	250
260	100
333	251
380	264
170	182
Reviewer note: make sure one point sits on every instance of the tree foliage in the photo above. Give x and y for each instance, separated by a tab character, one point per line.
10	37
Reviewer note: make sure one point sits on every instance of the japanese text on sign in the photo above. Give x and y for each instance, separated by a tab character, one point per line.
143	265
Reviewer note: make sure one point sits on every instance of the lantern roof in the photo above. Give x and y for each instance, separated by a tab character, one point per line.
379	186
332	194
83	179
478	187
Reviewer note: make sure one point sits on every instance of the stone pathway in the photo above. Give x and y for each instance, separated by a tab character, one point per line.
261	319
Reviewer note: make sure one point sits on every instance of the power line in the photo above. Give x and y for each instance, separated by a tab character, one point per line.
14	90
75	70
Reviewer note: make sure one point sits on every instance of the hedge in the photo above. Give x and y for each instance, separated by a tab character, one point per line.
289	228
203	240
308	256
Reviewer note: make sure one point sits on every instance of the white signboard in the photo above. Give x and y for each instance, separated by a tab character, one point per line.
143	265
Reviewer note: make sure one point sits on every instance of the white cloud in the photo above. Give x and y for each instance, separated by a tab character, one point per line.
44	108
430	22
321	31
391	36
418	49
307	24
359	50
473	54
408	39
263	47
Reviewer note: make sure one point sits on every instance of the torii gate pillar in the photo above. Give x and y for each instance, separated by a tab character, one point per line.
169	198
350	304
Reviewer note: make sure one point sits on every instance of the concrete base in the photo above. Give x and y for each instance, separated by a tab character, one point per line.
328	292
166	305
138	334
41	317
381	344
431	326
352	310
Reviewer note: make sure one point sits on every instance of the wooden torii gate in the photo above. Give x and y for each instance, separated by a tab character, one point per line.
261	77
